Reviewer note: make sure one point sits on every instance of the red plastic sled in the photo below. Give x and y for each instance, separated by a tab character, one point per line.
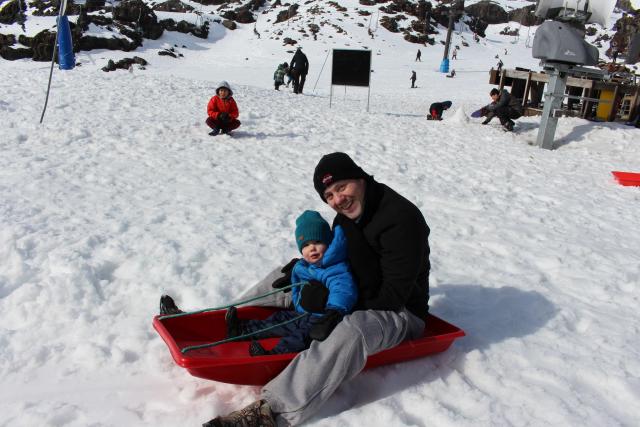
627	178
231	363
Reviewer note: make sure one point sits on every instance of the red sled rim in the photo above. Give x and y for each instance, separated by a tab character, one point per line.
231	362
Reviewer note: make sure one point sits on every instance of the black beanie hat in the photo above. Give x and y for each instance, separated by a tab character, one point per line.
335	167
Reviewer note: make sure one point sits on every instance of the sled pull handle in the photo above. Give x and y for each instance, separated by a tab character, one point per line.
206	310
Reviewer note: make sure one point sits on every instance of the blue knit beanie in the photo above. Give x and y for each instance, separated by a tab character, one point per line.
311	226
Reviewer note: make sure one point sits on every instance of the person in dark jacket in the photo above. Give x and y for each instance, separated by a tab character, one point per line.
504	106
299	69
419	56
331	286
278	76
388	251
413	79
222	111
436	109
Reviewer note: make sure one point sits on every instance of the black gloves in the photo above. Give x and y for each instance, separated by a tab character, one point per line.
486	122
224	117
285	280
323	327
314	296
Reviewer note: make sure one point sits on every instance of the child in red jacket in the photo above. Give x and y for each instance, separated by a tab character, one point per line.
222	111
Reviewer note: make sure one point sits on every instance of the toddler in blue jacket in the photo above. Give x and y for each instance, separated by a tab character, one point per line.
324	266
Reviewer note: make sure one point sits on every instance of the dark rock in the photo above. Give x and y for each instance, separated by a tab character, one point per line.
173	6
288	41
11	54
167	53
525	16
489	12
138	13
287	14
7	40
42	45
229	24
111	66
11	13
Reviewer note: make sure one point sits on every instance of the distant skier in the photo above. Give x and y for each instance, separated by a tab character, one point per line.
437	108
454	53
504	106
419	56
222	111
413	79
451	74
299	69
499	65
278	75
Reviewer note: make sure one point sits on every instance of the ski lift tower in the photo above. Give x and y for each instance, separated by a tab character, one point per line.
559	44
455	10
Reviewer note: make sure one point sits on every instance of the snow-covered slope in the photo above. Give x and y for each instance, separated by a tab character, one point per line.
121	196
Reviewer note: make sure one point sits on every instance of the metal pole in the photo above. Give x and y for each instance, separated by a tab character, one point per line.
63	6
325	61
552	102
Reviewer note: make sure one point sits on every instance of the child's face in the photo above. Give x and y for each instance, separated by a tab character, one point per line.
223	92
313	251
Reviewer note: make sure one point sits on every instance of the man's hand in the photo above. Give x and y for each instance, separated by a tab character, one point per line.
314	296
285	280
224	117
323	327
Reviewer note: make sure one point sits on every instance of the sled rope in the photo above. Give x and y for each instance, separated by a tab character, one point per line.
206	310
240	337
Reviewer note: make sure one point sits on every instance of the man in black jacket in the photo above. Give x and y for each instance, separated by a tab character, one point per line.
299	70
389	257
504	106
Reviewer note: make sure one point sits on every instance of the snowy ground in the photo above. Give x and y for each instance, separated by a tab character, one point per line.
121	196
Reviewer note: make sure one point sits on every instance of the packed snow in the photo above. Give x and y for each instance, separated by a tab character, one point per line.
121	196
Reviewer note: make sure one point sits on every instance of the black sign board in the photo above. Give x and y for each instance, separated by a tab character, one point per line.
351	67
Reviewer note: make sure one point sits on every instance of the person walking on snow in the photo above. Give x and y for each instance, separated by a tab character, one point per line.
388	252
454	53
419	56
504	106
222	111
413	79
330	288
278	76
299	70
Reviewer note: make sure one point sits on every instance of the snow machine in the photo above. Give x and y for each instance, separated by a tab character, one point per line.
231	363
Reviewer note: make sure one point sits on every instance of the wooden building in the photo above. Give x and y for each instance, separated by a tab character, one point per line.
591	97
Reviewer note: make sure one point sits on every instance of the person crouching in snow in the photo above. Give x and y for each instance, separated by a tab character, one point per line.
437	108
330	293
222	111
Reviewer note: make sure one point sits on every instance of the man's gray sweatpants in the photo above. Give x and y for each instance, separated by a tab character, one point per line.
315	374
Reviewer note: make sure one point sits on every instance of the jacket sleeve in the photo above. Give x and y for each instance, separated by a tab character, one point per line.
504	100
212	110
343	293
404	245
233	109
295	291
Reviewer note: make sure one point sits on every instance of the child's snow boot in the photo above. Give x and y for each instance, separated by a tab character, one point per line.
234	326
168	306
214	132
255	349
